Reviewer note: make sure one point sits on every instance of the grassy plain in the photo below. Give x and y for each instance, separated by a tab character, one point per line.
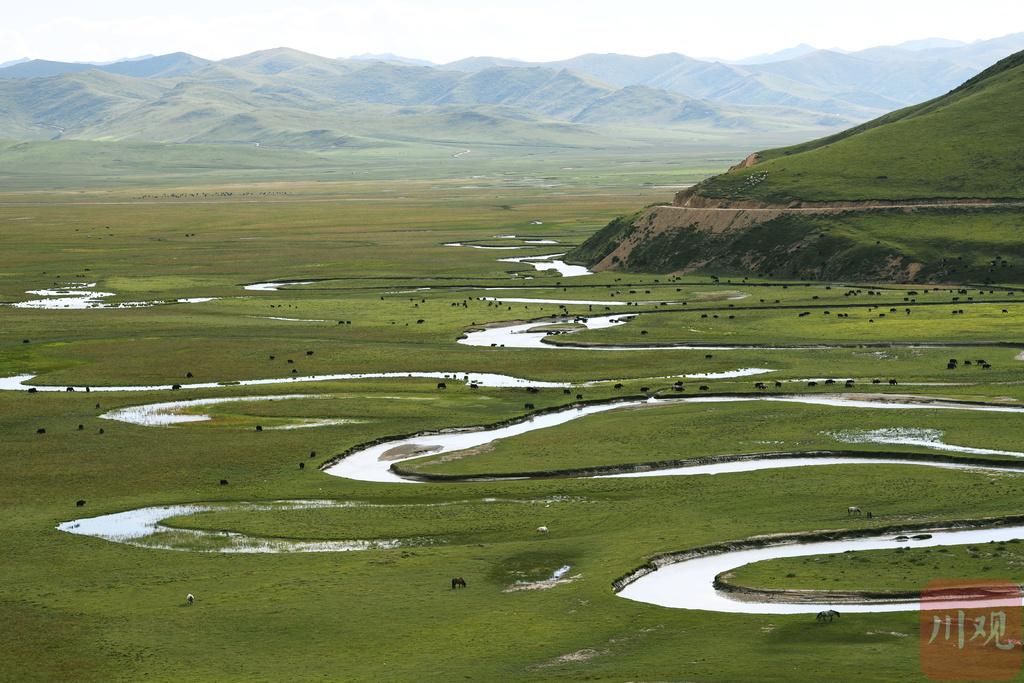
93	610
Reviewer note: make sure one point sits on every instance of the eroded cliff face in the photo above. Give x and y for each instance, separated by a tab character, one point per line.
764	241
657	223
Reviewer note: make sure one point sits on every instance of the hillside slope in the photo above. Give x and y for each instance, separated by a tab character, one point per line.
967	143
929	193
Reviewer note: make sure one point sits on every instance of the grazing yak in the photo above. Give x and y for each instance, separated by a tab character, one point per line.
542	530
458	582
827	616
853	510
189	599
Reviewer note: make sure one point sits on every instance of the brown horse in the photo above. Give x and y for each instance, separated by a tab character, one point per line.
458	582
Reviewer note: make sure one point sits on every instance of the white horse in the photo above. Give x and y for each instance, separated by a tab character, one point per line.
853	510
189	599
542	530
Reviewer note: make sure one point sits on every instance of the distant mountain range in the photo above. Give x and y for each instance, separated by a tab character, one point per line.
286	98
857	85
293	99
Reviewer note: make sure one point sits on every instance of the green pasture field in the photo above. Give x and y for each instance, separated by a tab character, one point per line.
89	609
896	570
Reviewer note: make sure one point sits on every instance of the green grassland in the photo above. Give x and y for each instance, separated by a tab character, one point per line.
931	319
88	609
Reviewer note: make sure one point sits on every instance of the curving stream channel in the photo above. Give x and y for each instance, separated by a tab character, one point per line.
688	583
535	335
373	463
486	379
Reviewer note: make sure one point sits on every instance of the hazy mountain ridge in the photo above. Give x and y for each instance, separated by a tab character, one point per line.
288	97
285	96
859	84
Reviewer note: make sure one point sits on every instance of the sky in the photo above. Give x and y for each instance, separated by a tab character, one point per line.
446	30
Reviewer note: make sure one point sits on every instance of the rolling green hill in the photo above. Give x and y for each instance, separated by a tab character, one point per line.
968	143
930	193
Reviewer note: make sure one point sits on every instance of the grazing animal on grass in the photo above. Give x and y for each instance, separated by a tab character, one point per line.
528	406
458	582
442	385
853	510
223	482
189	599
542	530
80	503
827	616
